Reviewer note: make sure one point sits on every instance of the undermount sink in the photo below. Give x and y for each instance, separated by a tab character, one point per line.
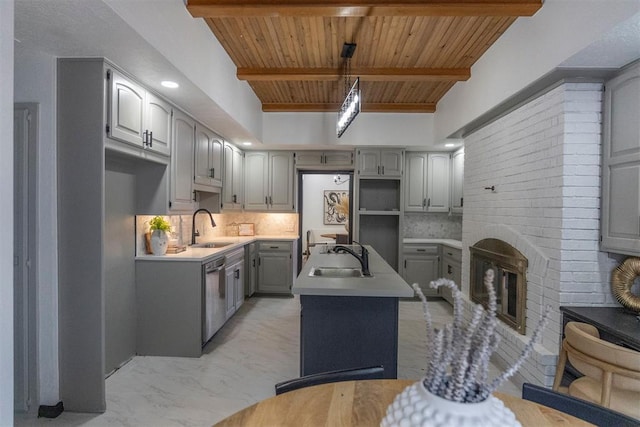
212	245
335	272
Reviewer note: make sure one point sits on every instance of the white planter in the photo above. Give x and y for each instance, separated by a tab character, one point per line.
416	406
159	242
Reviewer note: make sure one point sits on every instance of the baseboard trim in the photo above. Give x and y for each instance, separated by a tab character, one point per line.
45	411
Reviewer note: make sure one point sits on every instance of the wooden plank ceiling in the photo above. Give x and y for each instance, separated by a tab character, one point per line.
409	53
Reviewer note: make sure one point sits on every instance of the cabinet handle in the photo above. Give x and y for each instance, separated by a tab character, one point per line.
405	263
274	247
378	169
254	262
323	159
383	170
271	200
266	200
424	202
194	195
259	261
449	269
235	199
151	139
420	250
212	172
236	274
428	202
461	201
145	136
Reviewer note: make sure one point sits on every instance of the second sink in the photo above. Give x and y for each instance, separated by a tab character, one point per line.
335	272
212	245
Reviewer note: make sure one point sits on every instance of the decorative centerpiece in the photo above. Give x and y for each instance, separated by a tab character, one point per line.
159	228
456	390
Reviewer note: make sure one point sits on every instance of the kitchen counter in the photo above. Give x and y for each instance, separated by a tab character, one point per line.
205	254
456	244
349	322
384	283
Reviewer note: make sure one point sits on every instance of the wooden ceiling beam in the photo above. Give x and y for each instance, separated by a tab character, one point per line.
365	74
426	107
361	8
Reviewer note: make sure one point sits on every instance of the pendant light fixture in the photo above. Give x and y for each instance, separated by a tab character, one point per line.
351	104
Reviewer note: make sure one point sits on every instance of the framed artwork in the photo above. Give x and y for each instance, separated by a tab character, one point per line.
336	207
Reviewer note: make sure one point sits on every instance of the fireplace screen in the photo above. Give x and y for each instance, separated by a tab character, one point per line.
509	267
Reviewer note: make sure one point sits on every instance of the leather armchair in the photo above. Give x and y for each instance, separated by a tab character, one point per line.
611	372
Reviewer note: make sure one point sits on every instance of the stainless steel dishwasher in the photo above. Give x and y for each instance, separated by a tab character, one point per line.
213	298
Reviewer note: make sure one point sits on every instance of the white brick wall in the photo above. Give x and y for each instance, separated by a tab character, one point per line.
544	161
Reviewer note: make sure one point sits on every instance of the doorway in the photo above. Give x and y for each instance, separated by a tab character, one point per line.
25	138
325	209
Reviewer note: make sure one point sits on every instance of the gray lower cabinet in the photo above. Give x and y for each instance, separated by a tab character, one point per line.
169	303
451	269
275	267
421	265
234	281
251	269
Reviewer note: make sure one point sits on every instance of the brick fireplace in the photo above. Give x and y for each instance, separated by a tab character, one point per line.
532	180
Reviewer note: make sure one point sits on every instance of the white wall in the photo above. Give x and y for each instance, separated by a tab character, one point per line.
367	129
544	160
6	215
529	49
313	186
35	74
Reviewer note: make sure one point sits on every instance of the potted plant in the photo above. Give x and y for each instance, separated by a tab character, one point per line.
159	228
456	390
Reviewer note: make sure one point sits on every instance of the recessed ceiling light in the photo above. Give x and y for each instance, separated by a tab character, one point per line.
169	84
449	145
246	143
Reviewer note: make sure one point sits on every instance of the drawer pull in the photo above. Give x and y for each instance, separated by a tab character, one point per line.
421	250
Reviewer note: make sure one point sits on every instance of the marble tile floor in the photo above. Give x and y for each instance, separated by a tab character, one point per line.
257	348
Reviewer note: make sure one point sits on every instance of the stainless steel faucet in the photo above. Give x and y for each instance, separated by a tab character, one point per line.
363	258
194	232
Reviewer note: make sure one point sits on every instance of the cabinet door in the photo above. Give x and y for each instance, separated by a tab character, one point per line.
274	272
256	181
421	270
208	158
281	181
232	187
238	178
126	119
252	273
158	124
229	289
338	158
368	162
239	285
415	184
391	162
181	193
620	225
457	181
309	158
438	182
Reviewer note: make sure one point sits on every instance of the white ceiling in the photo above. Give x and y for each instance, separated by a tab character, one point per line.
91	28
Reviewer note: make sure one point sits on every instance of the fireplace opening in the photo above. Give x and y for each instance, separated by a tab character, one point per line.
509	267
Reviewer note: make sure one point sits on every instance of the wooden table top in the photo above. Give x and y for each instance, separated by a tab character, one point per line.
364	403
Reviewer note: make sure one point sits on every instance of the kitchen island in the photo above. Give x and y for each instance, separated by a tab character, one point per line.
348	322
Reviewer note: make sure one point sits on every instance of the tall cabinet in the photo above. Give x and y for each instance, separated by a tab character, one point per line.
620	224
379	201
86	122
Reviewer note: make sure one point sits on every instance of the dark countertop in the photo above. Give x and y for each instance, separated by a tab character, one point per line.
617	321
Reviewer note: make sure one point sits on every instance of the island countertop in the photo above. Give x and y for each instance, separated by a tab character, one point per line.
384	283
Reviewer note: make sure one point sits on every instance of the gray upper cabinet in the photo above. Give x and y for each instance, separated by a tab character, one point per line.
269	181
324	158
181	189
457	181
138	117
232	182
208	159
438	182
620	223
427	184
380	162
416	182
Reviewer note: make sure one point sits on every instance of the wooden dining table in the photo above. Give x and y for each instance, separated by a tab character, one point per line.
364	403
